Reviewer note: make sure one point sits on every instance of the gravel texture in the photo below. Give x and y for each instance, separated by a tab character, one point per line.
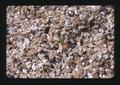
60	41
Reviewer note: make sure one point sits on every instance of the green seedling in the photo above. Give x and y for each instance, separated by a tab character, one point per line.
61	40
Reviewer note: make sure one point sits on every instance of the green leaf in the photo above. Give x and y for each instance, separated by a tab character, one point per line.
61	40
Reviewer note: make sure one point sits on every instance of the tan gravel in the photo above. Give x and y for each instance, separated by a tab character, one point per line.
60	41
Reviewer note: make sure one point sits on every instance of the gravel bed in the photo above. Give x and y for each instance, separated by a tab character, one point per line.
60	41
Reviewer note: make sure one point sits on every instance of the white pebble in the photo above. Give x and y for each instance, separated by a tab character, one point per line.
81	58
40	64
100	75
44	61
33	28
94	69
17	71
101	68
83	63
85	68
27	63
105	56
103	76
90	61
76	12
41	56
76	69
84	49
9	60
89	75
112	67
24	70
99	56
33	67
60	49
28	66
26	42
15	76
